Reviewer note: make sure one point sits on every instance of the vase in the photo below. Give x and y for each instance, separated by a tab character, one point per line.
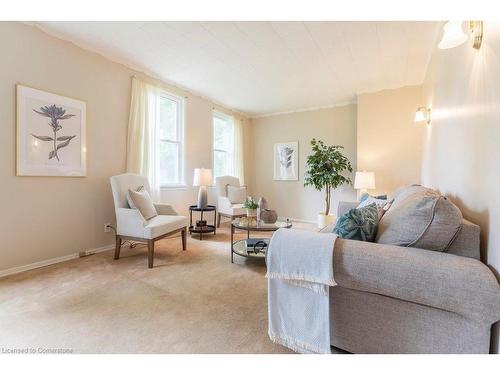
325	220
251	212
268	216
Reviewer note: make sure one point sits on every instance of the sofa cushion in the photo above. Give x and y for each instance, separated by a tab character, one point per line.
420	217
358	224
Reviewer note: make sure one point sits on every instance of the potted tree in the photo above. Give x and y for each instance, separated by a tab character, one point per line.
326	166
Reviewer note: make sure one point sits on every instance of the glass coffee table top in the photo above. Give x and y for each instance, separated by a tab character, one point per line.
252	224
248	225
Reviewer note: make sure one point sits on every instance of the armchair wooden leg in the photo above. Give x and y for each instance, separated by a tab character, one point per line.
151	253
183	236
118	245
218	220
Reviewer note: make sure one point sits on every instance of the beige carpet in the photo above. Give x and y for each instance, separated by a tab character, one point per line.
191	302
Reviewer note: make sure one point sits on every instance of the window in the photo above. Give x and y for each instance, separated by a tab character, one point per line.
223	143
170	132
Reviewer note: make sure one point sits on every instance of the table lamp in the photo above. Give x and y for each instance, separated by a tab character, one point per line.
202	178
364	181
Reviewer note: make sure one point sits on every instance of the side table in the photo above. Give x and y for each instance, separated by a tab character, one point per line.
205	229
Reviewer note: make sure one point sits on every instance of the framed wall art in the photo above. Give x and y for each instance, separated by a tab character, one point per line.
50	134
286	161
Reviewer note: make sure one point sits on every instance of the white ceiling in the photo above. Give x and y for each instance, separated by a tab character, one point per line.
265	67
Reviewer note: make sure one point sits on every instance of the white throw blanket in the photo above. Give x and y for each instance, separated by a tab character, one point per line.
300	273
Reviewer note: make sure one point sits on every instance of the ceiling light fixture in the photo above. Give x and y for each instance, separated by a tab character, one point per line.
454	35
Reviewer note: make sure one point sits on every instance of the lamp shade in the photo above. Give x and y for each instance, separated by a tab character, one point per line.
364	180
453	35
202	177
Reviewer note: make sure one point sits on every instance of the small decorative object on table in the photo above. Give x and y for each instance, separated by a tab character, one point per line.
251	205
268	216
262	206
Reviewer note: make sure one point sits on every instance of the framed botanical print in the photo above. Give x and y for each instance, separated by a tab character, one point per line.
50	134
286	162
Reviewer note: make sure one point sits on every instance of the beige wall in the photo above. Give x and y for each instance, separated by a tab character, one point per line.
48	217
290	198
389	143
462	153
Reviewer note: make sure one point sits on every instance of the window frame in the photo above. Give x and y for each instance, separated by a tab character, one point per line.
224	117
181	184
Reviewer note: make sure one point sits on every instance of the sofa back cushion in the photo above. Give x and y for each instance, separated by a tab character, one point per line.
420	217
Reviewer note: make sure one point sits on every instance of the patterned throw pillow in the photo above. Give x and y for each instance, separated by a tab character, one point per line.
366	195
358	224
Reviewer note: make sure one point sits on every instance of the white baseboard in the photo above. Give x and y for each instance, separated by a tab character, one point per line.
48	262
297	220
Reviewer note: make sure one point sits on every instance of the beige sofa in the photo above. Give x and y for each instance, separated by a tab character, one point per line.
397	299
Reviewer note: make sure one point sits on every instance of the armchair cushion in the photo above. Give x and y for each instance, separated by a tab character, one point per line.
162	224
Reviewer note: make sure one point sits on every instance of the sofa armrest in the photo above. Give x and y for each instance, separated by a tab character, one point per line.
165	209
343	207
461	285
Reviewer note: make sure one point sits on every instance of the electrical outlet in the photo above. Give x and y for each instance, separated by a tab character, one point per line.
107	227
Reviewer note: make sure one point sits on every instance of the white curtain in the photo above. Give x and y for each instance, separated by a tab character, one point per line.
141	141
239	169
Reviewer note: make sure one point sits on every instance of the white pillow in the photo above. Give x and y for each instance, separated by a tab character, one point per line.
236	195
129	200
142	202
380	203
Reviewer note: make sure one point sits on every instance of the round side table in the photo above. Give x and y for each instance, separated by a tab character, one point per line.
205	229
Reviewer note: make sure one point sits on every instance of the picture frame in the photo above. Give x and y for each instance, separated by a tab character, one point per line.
286	161
50	134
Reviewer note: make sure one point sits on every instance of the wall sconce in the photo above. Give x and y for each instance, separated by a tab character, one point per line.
454	35
423	114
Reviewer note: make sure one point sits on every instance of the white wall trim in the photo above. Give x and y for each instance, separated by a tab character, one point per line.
292	219
339	104
48	262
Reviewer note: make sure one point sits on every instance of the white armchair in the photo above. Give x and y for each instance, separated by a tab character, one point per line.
224	206
130	225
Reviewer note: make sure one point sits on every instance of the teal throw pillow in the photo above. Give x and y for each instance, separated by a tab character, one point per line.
358	224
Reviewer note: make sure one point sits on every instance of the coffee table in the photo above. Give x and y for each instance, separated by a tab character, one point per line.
239	247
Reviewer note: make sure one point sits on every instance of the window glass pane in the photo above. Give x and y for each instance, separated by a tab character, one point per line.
223	134
169	163
220	163
168	119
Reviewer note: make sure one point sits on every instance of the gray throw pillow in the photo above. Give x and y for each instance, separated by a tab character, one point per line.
420	217
358	224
